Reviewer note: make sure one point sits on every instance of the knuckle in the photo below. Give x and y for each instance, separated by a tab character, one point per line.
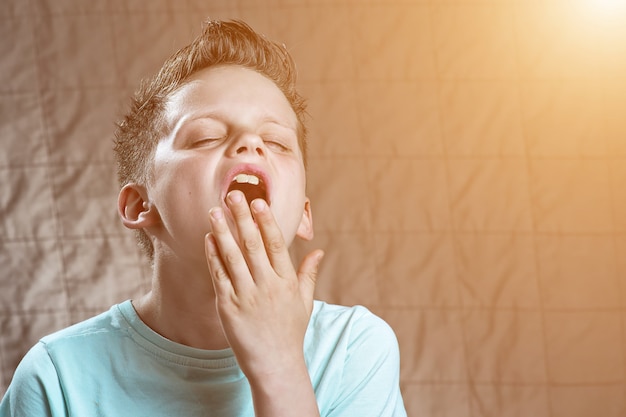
214	261
312	276
221	275
275	245
230	258
251	244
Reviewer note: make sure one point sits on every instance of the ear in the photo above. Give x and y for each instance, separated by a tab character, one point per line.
134	207
305	229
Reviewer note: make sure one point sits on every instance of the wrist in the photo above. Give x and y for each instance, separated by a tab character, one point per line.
288	369
284	392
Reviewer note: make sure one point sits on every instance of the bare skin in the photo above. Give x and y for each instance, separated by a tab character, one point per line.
264	305
235	286
260	306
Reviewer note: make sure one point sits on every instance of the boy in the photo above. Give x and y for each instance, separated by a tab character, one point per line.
211	164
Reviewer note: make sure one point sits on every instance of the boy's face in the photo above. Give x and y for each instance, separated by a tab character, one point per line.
229	127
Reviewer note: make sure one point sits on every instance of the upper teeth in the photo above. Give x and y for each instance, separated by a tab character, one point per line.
247	178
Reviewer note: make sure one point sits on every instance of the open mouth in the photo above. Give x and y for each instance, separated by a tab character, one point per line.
250	185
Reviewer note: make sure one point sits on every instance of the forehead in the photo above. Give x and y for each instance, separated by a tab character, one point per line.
235	92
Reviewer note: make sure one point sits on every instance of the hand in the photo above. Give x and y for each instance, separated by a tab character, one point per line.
264	305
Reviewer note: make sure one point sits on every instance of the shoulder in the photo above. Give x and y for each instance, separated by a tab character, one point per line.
103	325
76	336
351	333
357	323
354	362
37	382
34	388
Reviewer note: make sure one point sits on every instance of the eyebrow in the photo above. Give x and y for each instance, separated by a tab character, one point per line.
180	123
220	116
278	123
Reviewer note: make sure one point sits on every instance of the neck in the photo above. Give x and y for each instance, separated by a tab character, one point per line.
181	305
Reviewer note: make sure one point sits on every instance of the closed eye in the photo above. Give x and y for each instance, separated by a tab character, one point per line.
207	141
276	146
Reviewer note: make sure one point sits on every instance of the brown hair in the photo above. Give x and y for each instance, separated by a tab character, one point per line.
220	43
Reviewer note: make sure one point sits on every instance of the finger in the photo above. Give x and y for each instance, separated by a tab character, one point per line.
221	281
307	276
250	240
230	255
273	241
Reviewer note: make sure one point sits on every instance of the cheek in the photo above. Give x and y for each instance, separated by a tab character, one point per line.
179	185
297	175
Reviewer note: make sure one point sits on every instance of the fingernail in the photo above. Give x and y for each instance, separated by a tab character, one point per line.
235	196
258	205
216	213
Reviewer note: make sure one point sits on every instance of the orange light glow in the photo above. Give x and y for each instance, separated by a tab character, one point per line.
604	11
602	25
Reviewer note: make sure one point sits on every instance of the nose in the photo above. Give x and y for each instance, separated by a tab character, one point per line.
248	143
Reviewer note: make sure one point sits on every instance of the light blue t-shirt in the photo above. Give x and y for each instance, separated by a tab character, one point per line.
114	365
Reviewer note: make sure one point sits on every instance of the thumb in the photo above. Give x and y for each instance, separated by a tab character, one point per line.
307	276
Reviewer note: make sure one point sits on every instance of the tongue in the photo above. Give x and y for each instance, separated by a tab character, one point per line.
250	191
